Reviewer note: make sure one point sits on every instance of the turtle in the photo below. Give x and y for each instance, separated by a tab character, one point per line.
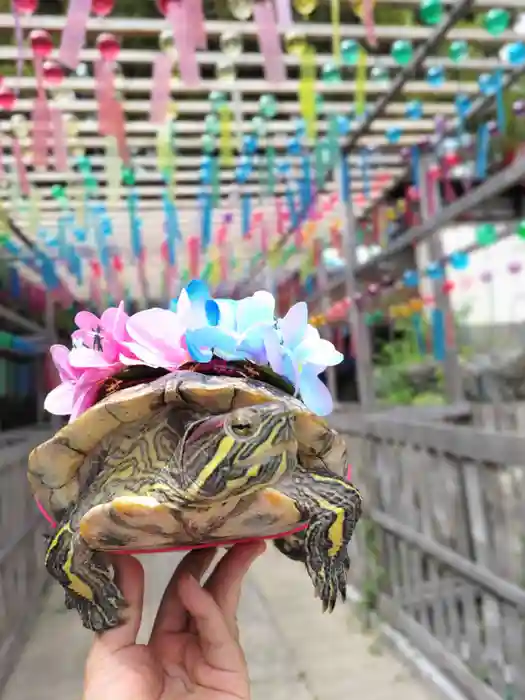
205	455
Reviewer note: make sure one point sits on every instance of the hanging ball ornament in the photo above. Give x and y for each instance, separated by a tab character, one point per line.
436	76
305	7
330	73
520	229
212	124
393	134
402	51
515	53
218	100
231	44
53	73
108	46
102	8
295	43
431	11
7	99
379	74
25	7
226	71
350	50
241	9
414	109
496	21
19	125
268	106
41	43
458	51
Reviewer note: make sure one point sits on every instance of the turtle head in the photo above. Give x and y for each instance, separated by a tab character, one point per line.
241	451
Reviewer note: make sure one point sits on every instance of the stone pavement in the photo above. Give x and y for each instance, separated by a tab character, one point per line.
294	651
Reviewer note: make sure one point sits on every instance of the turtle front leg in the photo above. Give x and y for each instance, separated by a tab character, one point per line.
331	508
87	580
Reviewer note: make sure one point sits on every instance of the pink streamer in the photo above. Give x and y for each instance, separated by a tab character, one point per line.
104	90
74	34
369	22
118	130
197	22
180	21
269	41
160	94
19	36
59	141
284	15
40	118
23	181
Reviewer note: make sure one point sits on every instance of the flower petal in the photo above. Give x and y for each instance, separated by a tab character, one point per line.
59	401
60	357
319	352
155	327
87	321
197	290
212	311
228	313
293	325
213	338
314	394
256	309
274	349
86	358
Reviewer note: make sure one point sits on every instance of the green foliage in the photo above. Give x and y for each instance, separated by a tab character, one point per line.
376	577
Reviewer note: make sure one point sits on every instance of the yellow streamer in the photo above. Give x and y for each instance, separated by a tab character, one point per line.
226	136
112	171
336	29
308	76
165	154
34	211
360	91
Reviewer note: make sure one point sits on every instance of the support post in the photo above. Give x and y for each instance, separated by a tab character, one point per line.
358	327
432	251
326	331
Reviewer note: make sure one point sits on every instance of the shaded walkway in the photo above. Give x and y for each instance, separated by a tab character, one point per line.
294	651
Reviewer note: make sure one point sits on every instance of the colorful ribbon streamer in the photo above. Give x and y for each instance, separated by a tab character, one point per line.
335	15
269	41
438	335
59	141
360	88
74	33
284	15
178	15
308	74
482	151
160	92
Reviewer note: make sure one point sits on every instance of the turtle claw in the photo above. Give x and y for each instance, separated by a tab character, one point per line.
103	612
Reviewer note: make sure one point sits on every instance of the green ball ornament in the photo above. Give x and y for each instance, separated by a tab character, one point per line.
212	125
90	183
520	230
128	176
58	192
458	51
350	50
486	234
259	126
331	73
208	143
402	52
496	21
431	11
319	104
379	74
268	106
218	100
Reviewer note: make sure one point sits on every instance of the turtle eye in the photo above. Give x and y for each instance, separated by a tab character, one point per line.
240	429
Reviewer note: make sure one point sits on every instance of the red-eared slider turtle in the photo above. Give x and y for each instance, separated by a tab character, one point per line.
192	458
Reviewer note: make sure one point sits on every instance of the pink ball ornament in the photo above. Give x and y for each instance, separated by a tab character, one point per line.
434	172
26	7
102	8
7	99
41	43
109	46
53	73
452	159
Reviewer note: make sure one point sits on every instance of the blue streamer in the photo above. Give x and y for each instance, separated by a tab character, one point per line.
206	222
14	283
438	335
345	180
418	332
482	151
246	212
415	159
291	207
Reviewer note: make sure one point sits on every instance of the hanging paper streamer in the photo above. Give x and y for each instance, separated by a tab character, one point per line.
226	136
35	213
346	184
194	246
59	141
307	80
23	181
165	152
74	33
40	117
103	90
501	116
269	41
178	15
335	12
431	191
19	36
482	151
415	164
360	87
364	9
438	335
112	171
246	214
284	15
417	325
160	92
197	22
206	220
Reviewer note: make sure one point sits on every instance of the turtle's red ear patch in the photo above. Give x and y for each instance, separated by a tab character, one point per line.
349	473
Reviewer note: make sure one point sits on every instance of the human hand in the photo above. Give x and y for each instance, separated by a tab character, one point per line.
193	652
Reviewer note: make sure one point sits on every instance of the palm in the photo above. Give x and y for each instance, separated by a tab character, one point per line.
193	653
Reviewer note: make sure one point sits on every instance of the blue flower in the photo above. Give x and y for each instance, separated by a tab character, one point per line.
239	331
196	309
295	350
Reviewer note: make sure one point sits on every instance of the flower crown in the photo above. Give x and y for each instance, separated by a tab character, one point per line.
195	327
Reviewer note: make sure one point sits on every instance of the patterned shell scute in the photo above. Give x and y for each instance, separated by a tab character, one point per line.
55	467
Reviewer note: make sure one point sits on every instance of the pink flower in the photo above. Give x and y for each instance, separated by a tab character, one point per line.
81	370
111	328
156	339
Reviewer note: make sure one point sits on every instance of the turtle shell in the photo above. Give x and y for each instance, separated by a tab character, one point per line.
59	468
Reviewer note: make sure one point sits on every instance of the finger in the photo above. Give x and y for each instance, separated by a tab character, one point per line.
171	616
225	584
130	579
219	647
